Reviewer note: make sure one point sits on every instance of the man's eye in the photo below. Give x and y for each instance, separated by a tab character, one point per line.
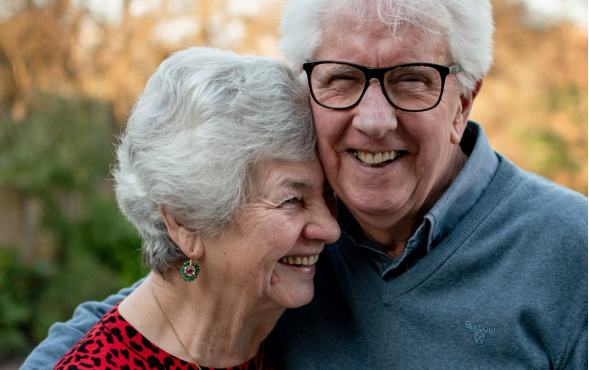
344	79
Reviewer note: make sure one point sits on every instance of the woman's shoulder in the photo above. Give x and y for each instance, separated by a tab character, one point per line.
101	347
114	344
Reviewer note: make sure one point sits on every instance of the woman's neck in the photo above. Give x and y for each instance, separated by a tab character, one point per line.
218	326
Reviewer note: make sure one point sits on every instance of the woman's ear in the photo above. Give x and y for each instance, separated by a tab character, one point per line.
187	239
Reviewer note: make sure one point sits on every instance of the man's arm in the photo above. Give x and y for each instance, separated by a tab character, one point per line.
64	335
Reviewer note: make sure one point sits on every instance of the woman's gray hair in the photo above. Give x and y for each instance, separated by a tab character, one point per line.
194	137
467	25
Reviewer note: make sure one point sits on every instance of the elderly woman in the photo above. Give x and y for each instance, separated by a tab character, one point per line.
218	172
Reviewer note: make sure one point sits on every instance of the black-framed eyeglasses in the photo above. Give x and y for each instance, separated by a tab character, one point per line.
412	87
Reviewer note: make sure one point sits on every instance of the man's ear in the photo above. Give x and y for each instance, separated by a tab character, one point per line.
464	110
187	239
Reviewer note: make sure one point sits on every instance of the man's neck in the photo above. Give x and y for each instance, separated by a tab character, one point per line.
393	239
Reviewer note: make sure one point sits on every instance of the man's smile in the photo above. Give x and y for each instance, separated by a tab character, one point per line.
376	159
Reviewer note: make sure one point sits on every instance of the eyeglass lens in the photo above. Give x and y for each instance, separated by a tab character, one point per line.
411	88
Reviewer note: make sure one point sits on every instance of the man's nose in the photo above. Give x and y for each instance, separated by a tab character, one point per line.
375	116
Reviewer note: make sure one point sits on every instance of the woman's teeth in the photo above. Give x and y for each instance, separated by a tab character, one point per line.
304	261
375	159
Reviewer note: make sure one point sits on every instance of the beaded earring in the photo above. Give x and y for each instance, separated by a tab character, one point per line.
189	270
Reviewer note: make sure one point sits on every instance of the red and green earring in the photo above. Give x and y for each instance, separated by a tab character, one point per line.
189	270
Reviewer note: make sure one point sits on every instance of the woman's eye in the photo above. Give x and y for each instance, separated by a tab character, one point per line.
291	201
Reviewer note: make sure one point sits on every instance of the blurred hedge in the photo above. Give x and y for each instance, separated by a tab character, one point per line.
59	156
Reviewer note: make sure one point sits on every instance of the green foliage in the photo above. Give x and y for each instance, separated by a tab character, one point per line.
115	243
21	286
552	152
61	145
60	155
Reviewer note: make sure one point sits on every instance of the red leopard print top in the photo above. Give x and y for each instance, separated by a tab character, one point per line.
114	344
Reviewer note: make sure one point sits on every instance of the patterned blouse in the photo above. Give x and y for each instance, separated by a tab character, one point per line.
114	344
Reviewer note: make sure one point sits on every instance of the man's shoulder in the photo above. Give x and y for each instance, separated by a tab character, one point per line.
537	220
530	195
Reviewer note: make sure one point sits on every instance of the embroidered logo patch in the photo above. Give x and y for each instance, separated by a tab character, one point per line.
479	338
479	331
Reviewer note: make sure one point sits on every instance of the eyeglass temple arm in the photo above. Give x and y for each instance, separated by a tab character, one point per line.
455	68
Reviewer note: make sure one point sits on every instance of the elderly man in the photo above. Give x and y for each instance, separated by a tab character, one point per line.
450	256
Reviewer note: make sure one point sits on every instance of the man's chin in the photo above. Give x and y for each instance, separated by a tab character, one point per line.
374	204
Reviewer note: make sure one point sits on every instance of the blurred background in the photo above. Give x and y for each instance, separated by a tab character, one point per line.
70	70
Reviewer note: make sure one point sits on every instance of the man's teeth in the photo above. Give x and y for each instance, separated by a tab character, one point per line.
305	261
375	158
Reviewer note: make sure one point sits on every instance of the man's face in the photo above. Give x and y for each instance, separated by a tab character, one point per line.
426	143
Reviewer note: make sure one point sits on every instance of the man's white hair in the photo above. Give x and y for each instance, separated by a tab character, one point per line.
193	139
466	24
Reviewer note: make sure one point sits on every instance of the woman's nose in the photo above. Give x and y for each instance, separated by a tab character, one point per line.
323	226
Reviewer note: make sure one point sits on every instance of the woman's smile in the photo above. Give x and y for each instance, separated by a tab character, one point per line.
300	260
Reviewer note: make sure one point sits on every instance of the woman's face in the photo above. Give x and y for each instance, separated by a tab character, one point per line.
271	257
